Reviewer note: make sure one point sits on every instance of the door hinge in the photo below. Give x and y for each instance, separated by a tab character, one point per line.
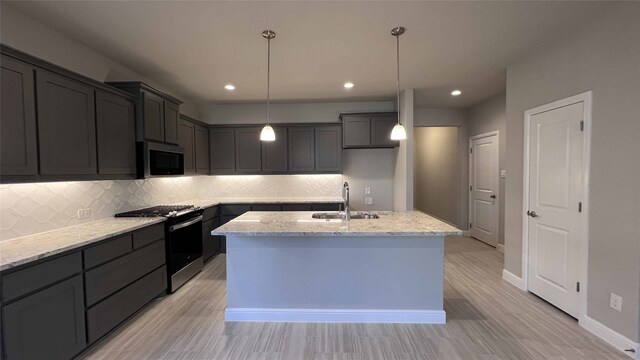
578	286
470	188
470	225
581	125
470	150
580	207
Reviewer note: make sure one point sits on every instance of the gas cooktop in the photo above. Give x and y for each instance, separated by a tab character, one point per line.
160	210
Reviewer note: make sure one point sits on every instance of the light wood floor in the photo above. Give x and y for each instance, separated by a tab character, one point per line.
487	318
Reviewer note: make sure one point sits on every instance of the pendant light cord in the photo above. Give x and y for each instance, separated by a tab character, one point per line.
268	77
398	74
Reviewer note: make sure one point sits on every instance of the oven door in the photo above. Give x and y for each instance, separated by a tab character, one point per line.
184	249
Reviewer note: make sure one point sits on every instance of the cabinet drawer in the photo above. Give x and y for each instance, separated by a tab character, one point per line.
326	207
210	213
109	278
109	250
108	314
38	276
148	235
235	209
296	207
266	207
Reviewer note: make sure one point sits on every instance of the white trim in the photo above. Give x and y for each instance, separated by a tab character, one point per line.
614	338
495	133
586	98
336	315
466	233
513	279
500	248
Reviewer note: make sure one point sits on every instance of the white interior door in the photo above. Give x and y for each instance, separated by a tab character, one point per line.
483	188
556	193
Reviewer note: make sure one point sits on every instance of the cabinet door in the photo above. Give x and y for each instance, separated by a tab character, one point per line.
186	139
210	243
153	117
381	127
66	126
18	148
49	324
356	131
274	153
301	149
222	145
116	133
248	151
171	121
328	144
202	149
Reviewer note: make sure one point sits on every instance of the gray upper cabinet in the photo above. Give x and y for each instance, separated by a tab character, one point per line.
202	149
274	153
368	130
153	117
186	139
115	126
222	146
328	148
66	125
171	115
248	150
18	147
301	149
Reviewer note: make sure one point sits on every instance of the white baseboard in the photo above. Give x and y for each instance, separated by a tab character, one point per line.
466	233
336	315
614	338
512	279
500	248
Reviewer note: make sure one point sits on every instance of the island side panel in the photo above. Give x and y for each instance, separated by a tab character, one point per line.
342	278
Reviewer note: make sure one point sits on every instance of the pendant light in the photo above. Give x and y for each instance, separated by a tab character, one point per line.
267	133
398	132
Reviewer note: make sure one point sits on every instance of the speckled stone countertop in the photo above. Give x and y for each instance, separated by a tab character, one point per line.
22	250
263	200
300	223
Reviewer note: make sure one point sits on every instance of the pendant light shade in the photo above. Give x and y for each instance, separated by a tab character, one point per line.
267	133
398	132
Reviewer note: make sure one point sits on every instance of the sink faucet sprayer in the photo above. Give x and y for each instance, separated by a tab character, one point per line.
345	196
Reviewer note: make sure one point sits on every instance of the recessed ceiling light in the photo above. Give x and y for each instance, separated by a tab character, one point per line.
348	85
230	87
456	92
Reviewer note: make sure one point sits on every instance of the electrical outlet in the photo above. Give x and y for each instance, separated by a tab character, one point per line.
503	173
367	190
368	201
84	213
615	302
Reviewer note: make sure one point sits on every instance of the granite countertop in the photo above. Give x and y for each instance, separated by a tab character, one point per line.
300	223
263	200
26	249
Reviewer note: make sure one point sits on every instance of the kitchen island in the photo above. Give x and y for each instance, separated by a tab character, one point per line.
288	267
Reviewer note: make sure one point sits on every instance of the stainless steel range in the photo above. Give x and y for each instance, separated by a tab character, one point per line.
183	238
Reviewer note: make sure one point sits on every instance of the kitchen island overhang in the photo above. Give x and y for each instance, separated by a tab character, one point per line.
285	267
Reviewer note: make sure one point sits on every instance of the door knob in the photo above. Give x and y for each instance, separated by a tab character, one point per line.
532	214
492	196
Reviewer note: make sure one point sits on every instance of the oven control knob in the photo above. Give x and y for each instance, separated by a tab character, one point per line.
173	213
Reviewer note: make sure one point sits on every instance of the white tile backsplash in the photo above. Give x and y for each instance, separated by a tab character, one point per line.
27	209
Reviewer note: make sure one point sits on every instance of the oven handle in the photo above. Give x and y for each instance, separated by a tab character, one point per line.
185	224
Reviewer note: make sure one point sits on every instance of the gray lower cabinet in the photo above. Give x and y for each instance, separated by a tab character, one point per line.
301	149
222	146
66	125
274	153
171	121
296	207
186	139
18	146
210	243
49	324
115	132
248	150
328	149
202	149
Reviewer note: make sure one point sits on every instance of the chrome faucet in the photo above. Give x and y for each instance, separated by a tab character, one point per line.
345	196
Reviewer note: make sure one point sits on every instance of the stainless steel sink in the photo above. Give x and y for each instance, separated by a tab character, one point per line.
354	215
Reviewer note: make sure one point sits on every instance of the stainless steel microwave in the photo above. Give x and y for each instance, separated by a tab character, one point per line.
156	159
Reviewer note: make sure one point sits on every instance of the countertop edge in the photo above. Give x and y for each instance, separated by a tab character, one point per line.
344	234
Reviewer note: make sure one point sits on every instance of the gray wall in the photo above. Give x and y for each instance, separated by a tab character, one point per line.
488	116
372	168
602	56
435	166
26	34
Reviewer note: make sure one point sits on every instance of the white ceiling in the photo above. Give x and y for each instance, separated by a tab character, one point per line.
196	48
